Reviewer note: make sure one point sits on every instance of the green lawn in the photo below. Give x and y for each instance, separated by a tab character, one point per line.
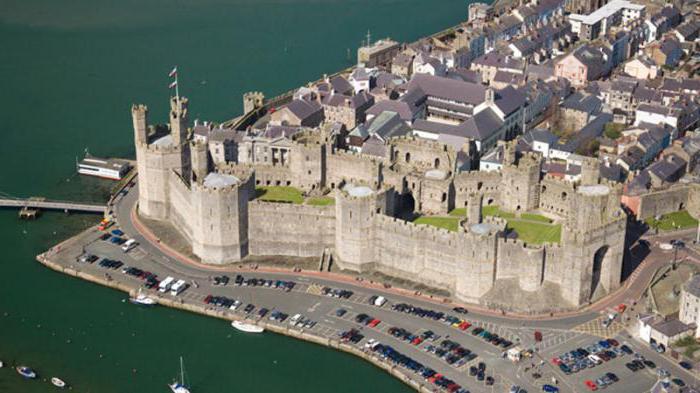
449	223
279	194
496	212
676	220
321	201
534	233
531	228
459	212
535	217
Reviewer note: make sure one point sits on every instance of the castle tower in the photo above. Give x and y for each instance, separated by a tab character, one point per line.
200	160
590	171
355	208
157	156
474	206
220	211
139	115
593	240
252	100
476	269
178	119
521	183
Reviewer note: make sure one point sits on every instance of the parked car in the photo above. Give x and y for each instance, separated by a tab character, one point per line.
686	365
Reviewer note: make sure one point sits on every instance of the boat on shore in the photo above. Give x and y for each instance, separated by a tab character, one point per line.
26	372
247	328
58	382
143	300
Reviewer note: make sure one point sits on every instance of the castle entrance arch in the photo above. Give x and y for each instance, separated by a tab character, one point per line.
598	259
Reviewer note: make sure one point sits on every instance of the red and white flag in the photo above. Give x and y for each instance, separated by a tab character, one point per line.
172	85
173	73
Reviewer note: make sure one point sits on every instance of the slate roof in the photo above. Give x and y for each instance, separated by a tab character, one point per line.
593	57
340	84
499	60
479	127
303	109
539	135
357	101
582	102
436	86
688	29
591	131
402	60
464	75
670	328
692	286
274	132
509	99
225	134
387	125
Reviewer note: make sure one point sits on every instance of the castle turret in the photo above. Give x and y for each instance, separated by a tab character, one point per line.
139	114
590	171
220	211
158	155
178	119
252	100
474	205
200	160
355	208
521	181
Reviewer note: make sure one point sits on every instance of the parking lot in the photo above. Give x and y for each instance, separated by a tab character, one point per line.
319	300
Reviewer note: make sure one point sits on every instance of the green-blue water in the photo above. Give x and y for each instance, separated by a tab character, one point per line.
69	71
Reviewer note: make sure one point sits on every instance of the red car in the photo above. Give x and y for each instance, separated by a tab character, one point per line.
207	299
417	340
590	385
556	361
374	323
464	325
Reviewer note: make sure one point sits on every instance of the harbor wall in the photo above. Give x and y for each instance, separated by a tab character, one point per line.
179	303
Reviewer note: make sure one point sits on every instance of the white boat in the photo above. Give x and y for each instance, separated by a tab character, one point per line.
246	327
106	168
58	382
179	386
2	364
26	372
143	300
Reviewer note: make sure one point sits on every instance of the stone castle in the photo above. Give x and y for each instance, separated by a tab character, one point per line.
213	204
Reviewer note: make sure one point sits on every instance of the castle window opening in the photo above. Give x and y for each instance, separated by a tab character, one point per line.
681	206
437	163
544	188
563	195
289	183
309	172
277	183
408	157
444	197
267	182
479	185
489	201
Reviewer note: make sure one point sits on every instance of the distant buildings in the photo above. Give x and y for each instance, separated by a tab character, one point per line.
599	22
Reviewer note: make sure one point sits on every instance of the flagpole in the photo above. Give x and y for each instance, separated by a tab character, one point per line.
177	88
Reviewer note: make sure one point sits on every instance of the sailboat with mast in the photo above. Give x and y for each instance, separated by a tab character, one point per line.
179	386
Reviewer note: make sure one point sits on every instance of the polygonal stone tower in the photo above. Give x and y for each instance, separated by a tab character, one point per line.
355	208
220	211
593	240
158	153
521	181
200	160
252	100
590	171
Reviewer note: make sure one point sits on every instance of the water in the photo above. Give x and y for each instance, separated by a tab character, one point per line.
69	71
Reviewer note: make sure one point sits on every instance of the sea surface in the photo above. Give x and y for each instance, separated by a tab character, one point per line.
69	71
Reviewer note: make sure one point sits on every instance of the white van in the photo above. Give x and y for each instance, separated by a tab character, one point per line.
178	287
164	285
295	319
379	301
131	243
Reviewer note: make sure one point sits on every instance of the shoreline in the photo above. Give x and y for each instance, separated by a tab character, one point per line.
393	370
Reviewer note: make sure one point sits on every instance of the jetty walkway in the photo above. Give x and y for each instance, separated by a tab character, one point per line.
9	201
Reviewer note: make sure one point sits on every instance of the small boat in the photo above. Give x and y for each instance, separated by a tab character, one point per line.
26	372
58	382
246	327
2	364
179	386
143	300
